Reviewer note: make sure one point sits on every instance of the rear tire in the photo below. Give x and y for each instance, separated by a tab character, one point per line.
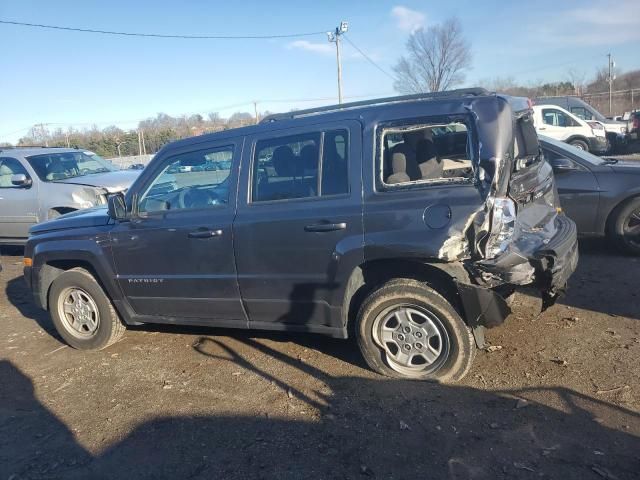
82	313
625	228
405	329
580	145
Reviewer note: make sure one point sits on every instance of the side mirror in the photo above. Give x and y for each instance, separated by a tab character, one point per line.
560	165
20	180
116	206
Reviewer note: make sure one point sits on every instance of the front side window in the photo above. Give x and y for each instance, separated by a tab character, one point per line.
51	167
425	153
557	118
301	166
190	180
8	168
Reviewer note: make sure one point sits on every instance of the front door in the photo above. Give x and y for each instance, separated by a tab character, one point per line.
18	204
174	259
578	189
298	231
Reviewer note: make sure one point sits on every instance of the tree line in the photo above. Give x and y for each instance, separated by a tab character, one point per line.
148	137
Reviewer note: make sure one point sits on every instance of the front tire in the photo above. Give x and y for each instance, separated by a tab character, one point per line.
82	313
407	330
580	145
625	228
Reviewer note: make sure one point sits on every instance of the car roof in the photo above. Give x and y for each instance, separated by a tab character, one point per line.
440	103
29	151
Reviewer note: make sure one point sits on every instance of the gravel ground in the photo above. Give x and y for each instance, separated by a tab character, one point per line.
559	399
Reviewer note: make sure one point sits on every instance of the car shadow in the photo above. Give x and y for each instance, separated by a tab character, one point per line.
361	427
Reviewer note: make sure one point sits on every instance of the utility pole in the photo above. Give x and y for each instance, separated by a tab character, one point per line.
139	143
334	37
610	80
255	109
66	136
144	148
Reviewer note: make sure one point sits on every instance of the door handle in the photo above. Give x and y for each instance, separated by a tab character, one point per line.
542	128
204	233
325	227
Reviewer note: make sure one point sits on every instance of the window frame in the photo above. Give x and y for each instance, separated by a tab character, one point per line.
232	143
381	187
26	172
316	129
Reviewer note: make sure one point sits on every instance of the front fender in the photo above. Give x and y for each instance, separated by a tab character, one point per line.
49	257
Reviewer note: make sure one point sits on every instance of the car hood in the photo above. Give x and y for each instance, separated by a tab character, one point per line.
90	217
116	181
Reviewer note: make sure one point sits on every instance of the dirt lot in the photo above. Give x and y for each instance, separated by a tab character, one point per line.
560	399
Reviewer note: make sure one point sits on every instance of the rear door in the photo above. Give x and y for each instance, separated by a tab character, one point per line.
298	232
174	259
18	204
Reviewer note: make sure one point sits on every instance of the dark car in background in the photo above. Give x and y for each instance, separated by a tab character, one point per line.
602	195
404	221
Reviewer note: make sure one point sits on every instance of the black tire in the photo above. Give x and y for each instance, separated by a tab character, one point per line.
624	229
580	144
108	326
377	314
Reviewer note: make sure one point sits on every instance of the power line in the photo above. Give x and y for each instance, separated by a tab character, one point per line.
161	35
369	59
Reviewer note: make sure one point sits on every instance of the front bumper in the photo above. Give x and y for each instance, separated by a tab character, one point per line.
546	268
599	144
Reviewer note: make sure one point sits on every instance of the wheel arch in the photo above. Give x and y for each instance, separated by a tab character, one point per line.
50	259
577	137
52	269
611	215
368	276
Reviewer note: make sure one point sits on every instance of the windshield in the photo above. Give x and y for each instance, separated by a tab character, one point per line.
565	147
51	167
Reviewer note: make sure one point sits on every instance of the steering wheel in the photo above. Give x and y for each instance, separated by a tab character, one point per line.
192	197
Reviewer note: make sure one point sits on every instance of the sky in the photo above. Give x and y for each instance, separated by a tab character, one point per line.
65	78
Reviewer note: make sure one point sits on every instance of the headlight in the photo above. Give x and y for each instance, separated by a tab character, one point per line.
86	198
503	224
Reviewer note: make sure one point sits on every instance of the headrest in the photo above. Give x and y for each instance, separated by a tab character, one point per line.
4	170
399	163
283	161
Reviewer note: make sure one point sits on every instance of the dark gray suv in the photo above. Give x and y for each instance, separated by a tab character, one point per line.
404	221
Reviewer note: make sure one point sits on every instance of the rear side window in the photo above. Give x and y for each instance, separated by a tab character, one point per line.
426	153
301	166
582	113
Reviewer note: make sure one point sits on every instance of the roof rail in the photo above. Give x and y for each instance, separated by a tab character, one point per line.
33	146
461	92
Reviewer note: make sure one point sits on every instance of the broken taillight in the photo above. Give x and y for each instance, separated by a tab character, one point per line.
503	225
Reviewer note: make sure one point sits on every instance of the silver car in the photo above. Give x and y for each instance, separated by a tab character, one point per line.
38	184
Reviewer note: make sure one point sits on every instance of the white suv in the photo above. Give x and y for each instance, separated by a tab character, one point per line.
558	123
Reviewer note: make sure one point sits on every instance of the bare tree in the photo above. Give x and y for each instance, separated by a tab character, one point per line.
577	79
436	60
